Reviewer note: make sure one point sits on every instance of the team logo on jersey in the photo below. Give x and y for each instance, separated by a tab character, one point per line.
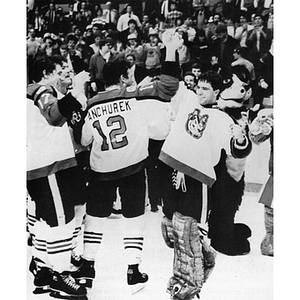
76	117
196	124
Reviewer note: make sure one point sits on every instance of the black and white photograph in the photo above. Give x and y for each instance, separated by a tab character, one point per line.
149	151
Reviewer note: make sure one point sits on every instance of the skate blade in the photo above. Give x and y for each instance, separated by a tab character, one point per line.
42	290
136	287
58	295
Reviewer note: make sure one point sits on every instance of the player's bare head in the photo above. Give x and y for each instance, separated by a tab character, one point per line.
41	68
113	71
213	78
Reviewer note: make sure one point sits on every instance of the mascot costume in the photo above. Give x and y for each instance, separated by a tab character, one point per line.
225	196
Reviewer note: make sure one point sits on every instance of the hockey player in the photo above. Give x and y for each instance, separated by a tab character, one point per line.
50	167
192	149
80	175
118	125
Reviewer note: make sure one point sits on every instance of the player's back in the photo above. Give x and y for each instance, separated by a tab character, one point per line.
117	124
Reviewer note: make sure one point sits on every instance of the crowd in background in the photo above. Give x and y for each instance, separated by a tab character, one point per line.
216	33
77	36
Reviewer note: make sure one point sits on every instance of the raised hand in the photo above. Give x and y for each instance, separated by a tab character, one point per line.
78	83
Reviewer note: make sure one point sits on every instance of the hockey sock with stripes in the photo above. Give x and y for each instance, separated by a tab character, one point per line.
92	236
59	246
134	239
40	231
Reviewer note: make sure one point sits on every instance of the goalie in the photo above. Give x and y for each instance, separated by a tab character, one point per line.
190	152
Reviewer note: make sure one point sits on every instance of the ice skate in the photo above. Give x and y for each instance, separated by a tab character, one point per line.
85	274
64	286
136	280
42	277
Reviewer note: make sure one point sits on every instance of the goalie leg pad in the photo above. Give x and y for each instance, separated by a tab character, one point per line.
209	258
188	268
167	232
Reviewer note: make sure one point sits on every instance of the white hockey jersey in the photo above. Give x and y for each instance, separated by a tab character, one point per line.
49	148
119	124
197	136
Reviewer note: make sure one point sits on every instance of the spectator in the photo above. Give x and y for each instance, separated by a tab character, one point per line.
40	25
187	27
183	50
100	18
75	63
62	24
138	72
173	16
97	63
240	60
159	26
135	48
197	70
146	25
123	22
32	46
51	15
223	46
258	40
241	31
111	15
86	12
49	46
153	53
268	16
264	71
79	35
80	21
200	47
210	30
88	35
199	13
96	29
189	79
71	14
96	46
132	29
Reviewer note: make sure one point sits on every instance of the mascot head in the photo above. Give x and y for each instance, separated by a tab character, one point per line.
236	87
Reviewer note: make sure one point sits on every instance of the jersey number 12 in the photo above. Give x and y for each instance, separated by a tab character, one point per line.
113	134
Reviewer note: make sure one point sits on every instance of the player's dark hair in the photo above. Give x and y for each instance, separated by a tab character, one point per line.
212	77
40	67
112	71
